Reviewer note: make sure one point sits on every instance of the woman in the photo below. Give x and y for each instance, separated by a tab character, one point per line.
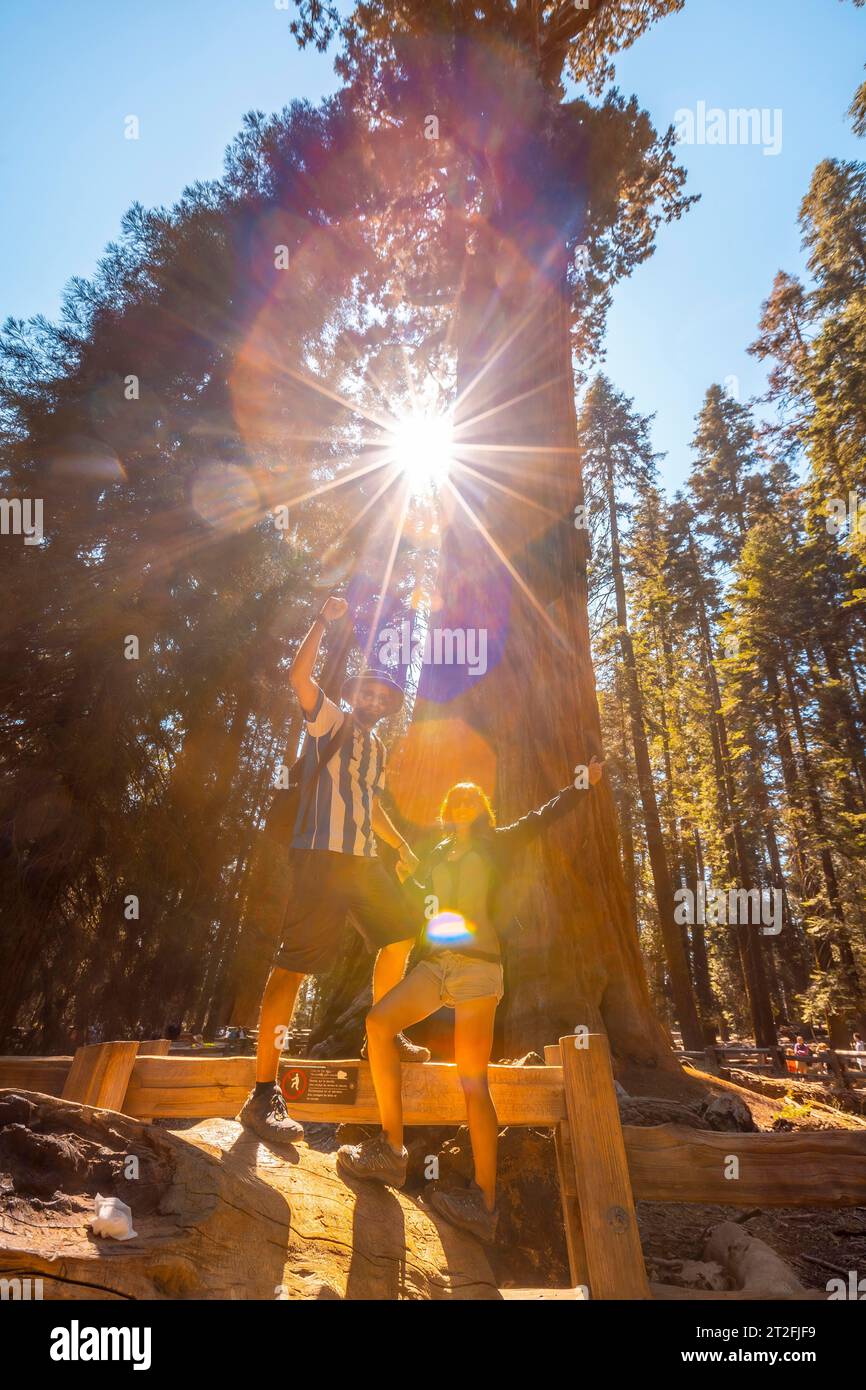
803	1054
460	965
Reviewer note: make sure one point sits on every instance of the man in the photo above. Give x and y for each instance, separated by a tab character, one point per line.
337	870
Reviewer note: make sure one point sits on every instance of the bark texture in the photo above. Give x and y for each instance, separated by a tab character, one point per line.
514	566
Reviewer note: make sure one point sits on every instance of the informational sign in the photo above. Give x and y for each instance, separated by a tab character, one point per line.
312	1084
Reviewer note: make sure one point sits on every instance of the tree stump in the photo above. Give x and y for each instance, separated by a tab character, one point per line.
217	1216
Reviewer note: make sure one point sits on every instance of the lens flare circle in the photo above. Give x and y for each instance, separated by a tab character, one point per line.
451	929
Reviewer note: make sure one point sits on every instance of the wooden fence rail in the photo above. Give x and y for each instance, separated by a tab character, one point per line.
604	1167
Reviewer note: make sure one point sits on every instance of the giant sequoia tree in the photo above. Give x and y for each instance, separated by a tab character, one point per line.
525	208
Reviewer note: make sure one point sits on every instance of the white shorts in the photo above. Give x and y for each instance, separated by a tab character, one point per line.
462	978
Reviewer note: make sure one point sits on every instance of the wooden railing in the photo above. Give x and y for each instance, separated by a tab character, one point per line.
773	1060
604	1167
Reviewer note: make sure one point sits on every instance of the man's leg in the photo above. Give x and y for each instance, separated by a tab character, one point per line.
389	967
264	1111
412	999
311	926
278	1003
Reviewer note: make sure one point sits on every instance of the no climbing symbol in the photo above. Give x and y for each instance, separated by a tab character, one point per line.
333	1083
294	1083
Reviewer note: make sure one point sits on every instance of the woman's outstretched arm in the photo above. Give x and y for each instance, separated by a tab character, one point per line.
571	798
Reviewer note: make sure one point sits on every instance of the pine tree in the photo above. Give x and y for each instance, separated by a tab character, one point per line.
617	463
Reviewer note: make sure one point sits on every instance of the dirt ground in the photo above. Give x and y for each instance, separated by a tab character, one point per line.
818	1243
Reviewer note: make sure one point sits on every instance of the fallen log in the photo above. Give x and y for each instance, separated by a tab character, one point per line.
217	1216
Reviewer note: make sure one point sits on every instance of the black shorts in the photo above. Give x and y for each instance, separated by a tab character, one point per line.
326	887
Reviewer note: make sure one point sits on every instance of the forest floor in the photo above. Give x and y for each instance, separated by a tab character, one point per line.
818	1243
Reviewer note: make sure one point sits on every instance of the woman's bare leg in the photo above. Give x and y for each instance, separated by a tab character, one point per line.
473	1040
416	997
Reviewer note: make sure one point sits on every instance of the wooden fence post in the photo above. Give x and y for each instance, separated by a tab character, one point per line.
568	1189
614	1257
100	1073
155	1047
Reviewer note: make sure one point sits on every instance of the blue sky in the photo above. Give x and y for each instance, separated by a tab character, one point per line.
189	69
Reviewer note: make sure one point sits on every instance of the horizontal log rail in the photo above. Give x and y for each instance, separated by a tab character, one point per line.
205	1088
673	1163
839	1062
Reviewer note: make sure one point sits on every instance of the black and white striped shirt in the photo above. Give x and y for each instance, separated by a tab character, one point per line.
336	808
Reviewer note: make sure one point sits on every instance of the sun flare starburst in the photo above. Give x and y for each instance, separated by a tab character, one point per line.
421	446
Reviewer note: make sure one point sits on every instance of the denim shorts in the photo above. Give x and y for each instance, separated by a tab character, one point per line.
461	978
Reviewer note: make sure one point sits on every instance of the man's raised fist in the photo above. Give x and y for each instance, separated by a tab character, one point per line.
333	608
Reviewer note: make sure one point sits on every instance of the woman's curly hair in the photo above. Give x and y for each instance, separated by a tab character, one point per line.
444	809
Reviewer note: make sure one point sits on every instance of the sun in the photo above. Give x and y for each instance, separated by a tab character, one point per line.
421	447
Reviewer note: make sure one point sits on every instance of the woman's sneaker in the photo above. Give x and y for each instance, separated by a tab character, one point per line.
375	1159
267	1116
465	1208
409	1051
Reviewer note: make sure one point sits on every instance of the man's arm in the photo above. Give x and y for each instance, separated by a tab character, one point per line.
383	829
301	669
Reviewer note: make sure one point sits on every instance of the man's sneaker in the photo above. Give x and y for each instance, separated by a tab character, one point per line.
409	1051
465	1208
374	1158
266	1115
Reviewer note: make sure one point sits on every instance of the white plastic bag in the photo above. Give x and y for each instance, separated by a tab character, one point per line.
111	1217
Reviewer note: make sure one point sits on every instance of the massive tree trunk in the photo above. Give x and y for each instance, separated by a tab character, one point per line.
513	567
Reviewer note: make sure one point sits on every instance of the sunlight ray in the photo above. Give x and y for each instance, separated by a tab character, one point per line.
506	405
355	409
515	574
337	542
334	483
494	356
389	570
458	466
